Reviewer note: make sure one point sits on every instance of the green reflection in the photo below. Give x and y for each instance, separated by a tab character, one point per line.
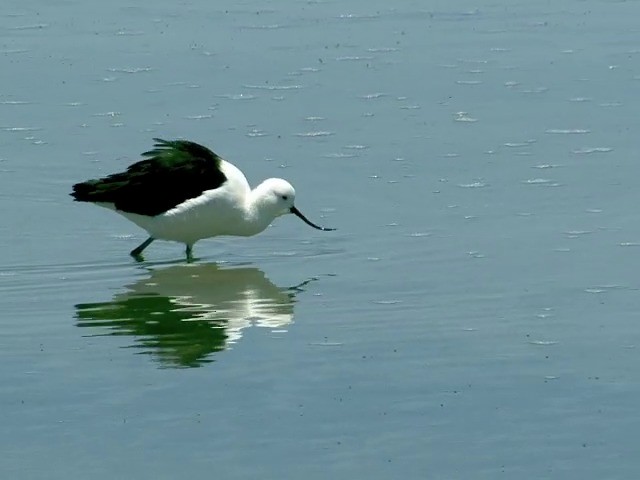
183	314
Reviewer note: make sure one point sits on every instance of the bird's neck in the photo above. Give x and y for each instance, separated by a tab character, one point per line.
258	211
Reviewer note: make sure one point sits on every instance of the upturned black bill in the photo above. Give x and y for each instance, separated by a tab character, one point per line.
297	213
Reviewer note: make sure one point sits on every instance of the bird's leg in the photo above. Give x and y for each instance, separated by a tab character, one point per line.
137	252
189	252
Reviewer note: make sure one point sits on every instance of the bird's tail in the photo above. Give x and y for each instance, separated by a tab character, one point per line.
89	191
82	192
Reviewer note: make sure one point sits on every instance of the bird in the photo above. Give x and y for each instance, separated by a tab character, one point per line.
182	191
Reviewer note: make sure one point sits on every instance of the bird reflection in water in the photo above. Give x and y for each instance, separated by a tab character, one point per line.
183	314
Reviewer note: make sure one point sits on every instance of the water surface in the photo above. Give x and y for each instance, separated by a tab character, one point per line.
474	316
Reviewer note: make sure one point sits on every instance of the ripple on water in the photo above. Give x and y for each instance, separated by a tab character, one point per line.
386	302
539	181
106	114
129	69
273	87
272	26
198	117
373	96
547	313
357	16
314	134
22	129
11	51
594	290
34	26
354	58
586	151
464	117
534	91
567	131
339	155
129	33
577	233
256	133
473	61
355	147
382	50
544	166
237	96
610	104
473	185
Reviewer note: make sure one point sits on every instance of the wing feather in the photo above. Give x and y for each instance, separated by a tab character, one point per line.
172	172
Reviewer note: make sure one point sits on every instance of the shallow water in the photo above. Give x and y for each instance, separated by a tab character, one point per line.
474	315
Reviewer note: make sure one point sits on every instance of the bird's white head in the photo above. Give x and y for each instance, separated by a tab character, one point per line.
276	197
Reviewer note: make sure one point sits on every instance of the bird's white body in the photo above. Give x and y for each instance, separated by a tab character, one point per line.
231	209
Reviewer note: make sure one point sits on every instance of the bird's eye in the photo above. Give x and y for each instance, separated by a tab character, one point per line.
285	197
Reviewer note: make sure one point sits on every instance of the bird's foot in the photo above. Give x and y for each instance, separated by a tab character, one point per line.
138	257
137	252
189	253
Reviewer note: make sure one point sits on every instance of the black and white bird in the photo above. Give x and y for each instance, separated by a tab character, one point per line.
183	192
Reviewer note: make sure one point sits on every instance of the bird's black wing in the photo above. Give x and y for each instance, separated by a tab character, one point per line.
173	172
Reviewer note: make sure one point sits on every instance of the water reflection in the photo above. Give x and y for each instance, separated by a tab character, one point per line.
183	314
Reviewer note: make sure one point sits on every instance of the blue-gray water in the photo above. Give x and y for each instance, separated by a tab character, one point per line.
474	316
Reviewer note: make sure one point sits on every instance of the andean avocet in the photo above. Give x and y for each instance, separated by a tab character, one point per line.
184	192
